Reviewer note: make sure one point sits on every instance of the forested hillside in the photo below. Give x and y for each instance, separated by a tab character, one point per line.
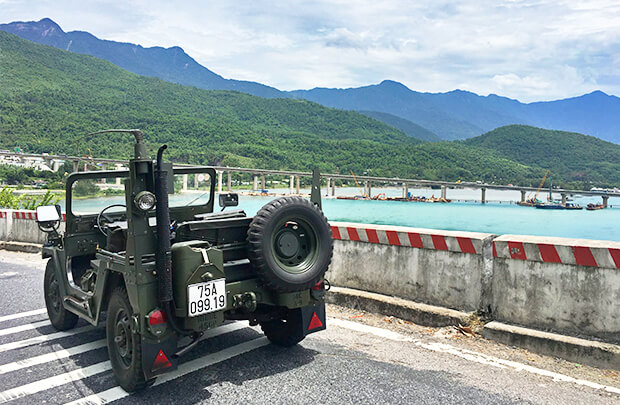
569	155
49	99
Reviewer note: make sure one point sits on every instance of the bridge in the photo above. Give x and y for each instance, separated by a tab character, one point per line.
55	161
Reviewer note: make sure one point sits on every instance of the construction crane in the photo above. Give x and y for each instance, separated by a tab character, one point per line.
357	184
542	183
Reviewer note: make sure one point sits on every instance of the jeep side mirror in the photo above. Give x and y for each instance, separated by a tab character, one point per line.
48	217
229	200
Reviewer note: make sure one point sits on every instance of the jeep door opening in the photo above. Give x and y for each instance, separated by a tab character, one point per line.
166	269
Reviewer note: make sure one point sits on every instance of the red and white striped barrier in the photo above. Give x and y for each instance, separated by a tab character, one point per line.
24	214
580	252
452	241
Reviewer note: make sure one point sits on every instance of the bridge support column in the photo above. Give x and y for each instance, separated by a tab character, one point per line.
290	184
255	186
522	195
220	174
118	166
333	187
185	178
605	199
262	182
196	183
297	183
76	165
56	165
444	192
483	198
405	190
329	184
229	181
563	198
368	188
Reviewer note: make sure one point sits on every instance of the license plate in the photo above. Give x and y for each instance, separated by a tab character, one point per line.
206	297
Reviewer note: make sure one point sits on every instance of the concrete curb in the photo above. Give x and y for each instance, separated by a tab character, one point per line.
421	314
590	352
21	247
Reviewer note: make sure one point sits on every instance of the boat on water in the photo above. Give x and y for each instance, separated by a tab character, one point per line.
554	205
594	207
558	206
530	202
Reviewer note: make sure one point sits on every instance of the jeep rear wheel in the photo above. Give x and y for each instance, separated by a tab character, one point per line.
124	346
290	244
60	318
285	332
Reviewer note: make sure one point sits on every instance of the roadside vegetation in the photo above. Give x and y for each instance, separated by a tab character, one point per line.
8	199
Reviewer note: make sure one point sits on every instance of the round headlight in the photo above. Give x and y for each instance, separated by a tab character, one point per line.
144	200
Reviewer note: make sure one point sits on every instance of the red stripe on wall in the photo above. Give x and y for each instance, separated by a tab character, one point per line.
415	239
615	255
583	256
372	236
393	238
548	253
494	250
516	250
439	241
335	232
353	235
466	245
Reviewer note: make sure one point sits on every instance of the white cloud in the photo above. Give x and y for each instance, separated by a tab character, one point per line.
528	49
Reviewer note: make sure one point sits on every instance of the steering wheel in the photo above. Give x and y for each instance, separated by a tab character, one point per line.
107	219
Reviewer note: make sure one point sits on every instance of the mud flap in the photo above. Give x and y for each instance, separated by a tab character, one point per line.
158	358
313	318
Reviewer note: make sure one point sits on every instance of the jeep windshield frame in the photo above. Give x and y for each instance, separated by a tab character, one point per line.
178	213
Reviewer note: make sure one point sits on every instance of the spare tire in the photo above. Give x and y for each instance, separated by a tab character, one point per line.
290	244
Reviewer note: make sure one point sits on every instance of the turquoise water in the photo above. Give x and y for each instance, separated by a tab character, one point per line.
499	217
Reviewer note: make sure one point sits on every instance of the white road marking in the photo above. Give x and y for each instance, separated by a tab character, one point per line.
22	328
45	338
117	393
55	381
57	355
22	314
467	354
81	373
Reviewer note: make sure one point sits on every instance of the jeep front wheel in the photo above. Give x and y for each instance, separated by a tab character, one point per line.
60	318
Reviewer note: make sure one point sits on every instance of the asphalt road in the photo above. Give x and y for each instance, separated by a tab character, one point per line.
361	358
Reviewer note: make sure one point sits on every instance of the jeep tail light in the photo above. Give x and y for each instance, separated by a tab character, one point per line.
157	317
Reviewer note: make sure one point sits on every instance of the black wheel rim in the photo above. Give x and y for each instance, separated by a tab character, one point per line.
295	244
123	338
54	295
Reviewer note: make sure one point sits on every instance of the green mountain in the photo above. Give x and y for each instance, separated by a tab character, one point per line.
50	98
408	127
580	158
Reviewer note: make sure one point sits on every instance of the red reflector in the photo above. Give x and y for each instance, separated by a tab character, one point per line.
157	317
161	361
318	286
315	322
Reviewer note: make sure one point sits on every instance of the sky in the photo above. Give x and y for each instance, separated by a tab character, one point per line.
530	50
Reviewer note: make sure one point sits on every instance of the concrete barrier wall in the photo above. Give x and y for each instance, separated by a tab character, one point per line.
560	284
21	226
556	284
435	267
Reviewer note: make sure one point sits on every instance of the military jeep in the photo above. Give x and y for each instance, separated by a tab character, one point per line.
166	268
